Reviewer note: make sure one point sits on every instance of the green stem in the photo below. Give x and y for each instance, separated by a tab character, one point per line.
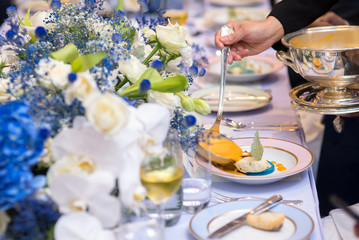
120	84
158	46
171	57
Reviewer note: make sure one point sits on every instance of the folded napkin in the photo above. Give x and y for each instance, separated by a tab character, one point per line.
339	225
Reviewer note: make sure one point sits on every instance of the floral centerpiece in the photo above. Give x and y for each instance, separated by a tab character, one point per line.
86	96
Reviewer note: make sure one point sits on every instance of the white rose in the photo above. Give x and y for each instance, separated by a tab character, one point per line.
171	37
83	86
8	55
5	96
168	100
108	113
186	54
38	20
149	34
4	220
53	73
132	68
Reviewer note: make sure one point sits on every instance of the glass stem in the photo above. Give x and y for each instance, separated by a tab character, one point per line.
160	221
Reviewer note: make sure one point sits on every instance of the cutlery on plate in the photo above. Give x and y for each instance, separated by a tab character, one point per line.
222	198
240	221
269	126
238	98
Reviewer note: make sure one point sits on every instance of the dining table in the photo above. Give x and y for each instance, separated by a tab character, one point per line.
299	186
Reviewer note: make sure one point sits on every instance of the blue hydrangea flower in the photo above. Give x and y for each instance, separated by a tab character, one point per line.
21	143
32	219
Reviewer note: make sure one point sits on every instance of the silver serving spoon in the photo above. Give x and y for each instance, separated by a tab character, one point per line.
213	135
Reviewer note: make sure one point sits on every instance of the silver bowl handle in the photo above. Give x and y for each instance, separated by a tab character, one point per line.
286	59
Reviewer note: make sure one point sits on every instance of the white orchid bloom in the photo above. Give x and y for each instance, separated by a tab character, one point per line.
81	165
84	140
81	226
155	126
122	156
91	193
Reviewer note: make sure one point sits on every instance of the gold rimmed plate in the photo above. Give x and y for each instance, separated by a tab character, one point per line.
236	98
233	3
288	158
297	224
252	68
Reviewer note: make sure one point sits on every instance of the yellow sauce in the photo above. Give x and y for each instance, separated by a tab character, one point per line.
223	148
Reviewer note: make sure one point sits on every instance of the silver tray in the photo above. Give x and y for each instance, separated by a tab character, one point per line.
314	98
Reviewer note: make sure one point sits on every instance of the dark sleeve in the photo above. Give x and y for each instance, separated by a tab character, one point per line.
296	14
349	10
4	4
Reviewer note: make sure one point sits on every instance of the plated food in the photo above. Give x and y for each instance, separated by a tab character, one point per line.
296	224
288	158
217	17
249	69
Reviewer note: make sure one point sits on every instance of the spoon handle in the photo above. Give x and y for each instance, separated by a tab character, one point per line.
225	30
224	59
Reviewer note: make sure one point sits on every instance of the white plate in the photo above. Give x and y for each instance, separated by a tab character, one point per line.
217	17
233	3
35	5
294	157
262	65
297	224
234	91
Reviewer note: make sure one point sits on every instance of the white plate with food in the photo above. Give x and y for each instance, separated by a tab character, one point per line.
288	158
34	5
233	3
217	17
249	69
297	224
236	98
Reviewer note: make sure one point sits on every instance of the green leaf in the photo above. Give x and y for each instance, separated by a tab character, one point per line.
67	54
119	5
27	22
134	90
87	61
173	84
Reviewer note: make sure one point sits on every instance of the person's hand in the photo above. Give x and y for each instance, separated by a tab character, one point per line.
250	38
329	19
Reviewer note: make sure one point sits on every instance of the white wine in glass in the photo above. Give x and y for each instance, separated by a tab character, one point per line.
161	183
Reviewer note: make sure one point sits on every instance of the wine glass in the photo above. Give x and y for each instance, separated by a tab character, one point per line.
161	174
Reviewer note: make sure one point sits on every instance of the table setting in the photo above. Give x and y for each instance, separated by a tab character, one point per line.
121	124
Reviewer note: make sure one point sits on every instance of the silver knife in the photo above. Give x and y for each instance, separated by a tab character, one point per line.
236	223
